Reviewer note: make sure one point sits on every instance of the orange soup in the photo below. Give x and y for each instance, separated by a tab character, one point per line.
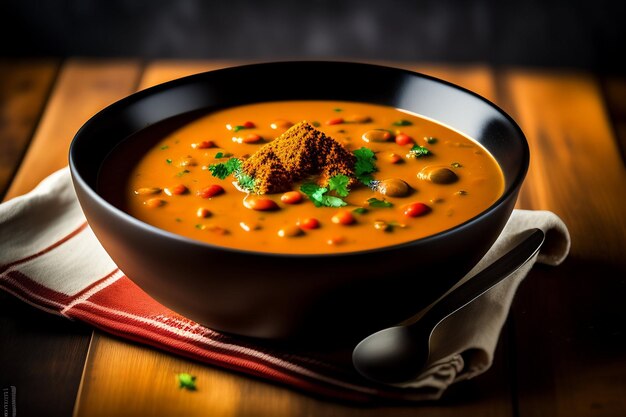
311	177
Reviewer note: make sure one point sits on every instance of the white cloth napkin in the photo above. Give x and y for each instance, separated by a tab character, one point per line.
50	258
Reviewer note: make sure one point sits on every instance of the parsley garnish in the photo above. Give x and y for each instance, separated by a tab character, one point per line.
164	147
222	171
418	151
339	184
365	165
430	140
245	181
186	381
233	167
337	109
318	195
402	122
219	155
374	202
183	172
360	210
314	192
169	161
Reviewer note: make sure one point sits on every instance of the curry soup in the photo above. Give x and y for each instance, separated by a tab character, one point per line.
311	177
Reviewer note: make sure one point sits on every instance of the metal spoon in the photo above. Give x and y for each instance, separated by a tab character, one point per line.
399	354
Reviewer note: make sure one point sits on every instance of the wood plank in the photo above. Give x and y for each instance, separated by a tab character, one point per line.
43	355
569	321
24	89
477	78
573	152
83	88
124	378
162	71
130	379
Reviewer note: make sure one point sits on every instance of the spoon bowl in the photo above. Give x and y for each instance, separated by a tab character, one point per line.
399	354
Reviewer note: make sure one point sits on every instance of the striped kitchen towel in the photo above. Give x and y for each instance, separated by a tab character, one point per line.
50	258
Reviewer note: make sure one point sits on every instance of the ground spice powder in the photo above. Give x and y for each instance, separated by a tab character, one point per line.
300	152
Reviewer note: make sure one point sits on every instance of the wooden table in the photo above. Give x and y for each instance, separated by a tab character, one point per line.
563	349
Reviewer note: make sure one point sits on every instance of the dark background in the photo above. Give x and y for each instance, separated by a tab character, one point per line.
587	34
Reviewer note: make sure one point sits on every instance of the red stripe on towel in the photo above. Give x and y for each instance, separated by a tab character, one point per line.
46	250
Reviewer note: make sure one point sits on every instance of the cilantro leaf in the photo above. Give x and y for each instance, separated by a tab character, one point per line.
309	188
233	164
360	210
319	197
332	201
219	170
314	192
365	165
418	151
223	170
402	122
246	182
365	179
364	154
186	381
374	202
339	184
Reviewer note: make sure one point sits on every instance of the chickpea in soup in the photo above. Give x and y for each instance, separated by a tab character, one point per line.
310	177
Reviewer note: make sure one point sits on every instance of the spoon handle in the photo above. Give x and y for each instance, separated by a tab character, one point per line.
530	242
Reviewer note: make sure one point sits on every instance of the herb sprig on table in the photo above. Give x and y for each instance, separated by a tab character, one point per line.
186	381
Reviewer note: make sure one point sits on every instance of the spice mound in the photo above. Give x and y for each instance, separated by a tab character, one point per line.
300	152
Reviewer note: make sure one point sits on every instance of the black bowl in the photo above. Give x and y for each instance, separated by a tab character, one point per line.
256	294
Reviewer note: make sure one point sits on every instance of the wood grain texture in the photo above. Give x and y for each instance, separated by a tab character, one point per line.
24	88
162	71
125	379
112	364
569	322
575	169
43	355
83	88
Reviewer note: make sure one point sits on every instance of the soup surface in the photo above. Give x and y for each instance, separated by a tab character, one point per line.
410	178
